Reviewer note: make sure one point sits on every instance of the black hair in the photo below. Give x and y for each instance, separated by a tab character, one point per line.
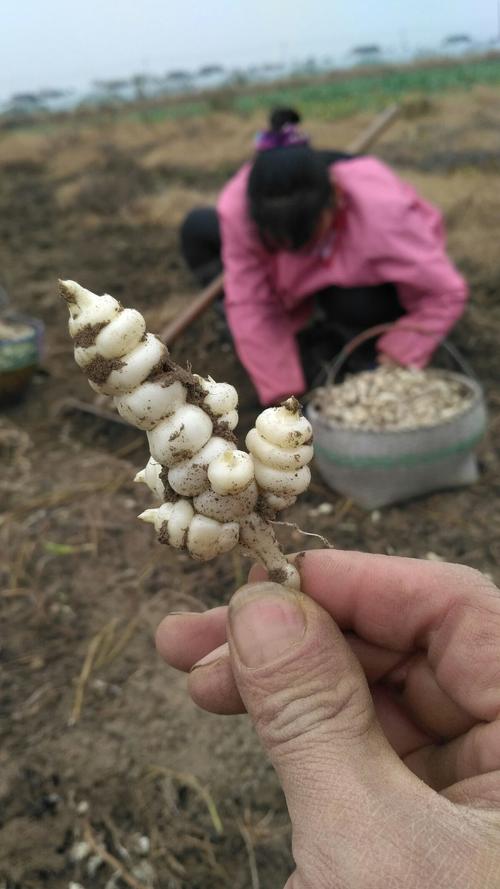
288	189
279	117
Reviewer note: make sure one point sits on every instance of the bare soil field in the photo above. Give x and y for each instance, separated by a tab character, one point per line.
109	776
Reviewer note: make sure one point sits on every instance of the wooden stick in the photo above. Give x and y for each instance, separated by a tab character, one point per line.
74	404
378	126
193	311
202	302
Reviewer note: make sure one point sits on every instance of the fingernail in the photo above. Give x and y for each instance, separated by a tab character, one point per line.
217	654
265	623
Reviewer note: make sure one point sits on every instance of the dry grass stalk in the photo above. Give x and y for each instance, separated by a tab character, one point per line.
252	861
110	859
100	639
129	448
342	511
191	781
112	652
207	847
69	495
17	570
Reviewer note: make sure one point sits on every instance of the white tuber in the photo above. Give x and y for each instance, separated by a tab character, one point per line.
231	472
118	337
229	507
179	525
151	476
145	406
221	400
280	445
190	476
127	375
184	432
216	496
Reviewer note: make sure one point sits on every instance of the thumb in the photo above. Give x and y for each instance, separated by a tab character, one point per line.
307	696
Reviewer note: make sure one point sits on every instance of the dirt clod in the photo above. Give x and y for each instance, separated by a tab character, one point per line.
99	369
87	335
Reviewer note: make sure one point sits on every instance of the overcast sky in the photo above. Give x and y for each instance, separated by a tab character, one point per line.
68	43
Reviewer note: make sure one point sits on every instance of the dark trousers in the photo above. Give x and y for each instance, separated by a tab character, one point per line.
339	312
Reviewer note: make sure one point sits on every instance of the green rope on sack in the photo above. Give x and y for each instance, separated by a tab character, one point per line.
403	461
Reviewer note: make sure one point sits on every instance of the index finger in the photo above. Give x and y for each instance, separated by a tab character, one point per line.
406	604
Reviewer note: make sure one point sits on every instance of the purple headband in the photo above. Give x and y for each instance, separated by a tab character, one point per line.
286	136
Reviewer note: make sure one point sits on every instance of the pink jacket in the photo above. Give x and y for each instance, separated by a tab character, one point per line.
383	232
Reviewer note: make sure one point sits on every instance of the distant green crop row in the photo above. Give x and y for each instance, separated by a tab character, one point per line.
369	90
332	96
340	95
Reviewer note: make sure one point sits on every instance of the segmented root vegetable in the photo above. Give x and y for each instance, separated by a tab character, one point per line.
281	447
214	495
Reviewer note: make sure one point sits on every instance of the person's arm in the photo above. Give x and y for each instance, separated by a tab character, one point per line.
263	332
430	289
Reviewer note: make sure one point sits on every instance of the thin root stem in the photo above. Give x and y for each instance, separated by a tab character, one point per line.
305	533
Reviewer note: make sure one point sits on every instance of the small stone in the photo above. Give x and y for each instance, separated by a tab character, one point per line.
376	516
82	807
145	872
322	509
325	509
141	844
433	557
93	865
79	851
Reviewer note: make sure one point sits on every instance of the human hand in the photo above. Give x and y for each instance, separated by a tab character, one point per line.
376	696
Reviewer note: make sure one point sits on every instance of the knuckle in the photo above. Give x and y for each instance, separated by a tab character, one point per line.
309	709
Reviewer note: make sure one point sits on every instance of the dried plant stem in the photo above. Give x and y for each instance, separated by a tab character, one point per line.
18	567
88	665
68	495
342	510
106	643
130	447
203	792
111	860
114	650
247	839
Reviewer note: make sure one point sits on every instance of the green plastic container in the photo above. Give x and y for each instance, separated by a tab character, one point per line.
21	341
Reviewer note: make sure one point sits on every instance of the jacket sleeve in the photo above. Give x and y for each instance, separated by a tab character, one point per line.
430	289
263	331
